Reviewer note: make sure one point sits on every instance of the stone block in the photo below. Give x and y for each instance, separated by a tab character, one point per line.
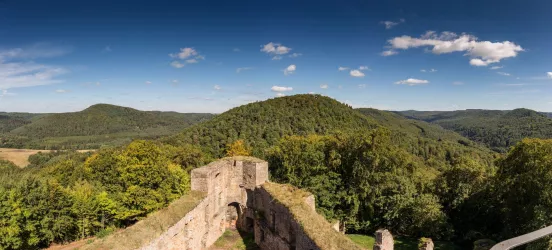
384	240
254	174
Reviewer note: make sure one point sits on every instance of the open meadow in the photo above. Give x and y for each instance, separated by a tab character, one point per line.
20	157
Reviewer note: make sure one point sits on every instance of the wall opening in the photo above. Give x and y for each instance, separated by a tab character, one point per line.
233	213
249	224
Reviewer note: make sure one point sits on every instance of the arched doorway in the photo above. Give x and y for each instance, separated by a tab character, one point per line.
234	216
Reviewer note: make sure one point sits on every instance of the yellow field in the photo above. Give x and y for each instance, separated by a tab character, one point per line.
20	157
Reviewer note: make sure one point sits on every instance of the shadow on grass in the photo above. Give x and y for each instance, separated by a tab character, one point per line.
248	241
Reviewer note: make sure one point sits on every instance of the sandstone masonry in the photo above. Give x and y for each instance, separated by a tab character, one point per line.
236	198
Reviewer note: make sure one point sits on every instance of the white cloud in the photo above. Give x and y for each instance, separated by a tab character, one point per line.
190	55
295	55
238	70
28	74
496	67
18	71
389	52
236	50
177	64
356	73
549	74
290	69
281	88
482	53
147	82
503	73
277	58
478	62
61	91
4	92
458	83
412	82
184	53
217	87
174	81
324	86
430	70
275	49
39	50
342	68
280	94
391	24
362	86
363	68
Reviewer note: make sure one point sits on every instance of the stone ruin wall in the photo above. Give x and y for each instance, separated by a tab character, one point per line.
224	182
275	227
235	199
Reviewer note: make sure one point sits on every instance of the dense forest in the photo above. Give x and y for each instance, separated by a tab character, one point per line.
64	196
96	126
368	168
499	130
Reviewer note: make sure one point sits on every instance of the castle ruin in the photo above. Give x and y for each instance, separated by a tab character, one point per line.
238	195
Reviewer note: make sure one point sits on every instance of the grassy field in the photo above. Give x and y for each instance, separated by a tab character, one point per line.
400	243
20	157
235	240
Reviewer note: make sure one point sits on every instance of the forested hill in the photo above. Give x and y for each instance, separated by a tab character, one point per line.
103	119
262	124
424	129
11	121
497	129
99	124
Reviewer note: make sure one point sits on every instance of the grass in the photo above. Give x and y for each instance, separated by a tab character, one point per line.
235	240
401	243
314	225
20	157
151	227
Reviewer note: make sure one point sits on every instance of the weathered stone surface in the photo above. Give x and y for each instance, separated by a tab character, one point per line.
384	240
425	244
275	227
235	198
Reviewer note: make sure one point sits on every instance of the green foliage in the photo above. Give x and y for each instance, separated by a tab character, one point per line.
401	243
262	124
69	195
524	187
361	179
94	127
237	148
497	129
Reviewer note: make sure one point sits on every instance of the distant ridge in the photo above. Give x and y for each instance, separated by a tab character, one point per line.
498	129
99	123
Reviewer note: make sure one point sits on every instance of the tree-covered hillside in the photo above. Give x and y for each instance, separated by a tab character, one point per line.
11	121
497	129
98	125
397	122
262	124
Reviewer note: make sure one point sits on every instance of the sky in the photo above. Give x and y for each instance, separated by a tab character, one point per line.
211	56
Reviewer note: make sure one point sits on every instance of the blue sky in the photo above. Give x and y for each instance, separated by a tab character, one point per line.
210	56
